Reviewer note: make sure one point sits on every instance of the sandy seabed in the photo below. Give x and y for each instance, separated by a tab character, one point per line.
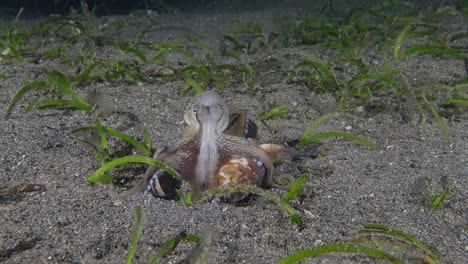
349	184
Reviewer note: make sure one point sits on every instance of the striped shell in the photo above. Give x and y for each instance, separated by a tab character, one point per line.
162	185
241	171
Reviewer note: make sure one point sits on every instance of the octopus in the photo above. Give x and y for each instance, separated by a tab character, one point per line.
216	150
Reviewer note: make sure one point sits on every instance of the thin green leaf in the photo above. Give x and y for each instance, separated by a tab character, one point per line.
202	72
458	100
331	29
315	137
142	33
63	83
146	149
103	179
120	69
96	151
295	218
463	86
99	155
320	67
134	159
185	200
193	238
129	139
274	111
458	36
172	243
197	87
204	47
131	49
398	234
77	98
59	79
335	248
4	53
383	77
423	49
295	188
181	197
161	53
315	124
102	135
188	198
39	83
134	76
245	27
237	45
168	47
147	139
438	199
85	75
58	102
400	38
370	90
135	235
220	84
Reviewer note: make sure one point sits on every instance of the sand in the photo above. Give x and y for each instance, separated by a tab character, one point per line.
349	185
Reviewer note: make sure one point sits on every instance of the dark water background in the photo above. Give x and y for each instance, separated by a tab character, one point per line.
35	8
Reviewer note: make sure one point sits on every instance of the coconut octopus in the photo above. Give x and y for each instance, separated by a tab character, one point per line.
216	150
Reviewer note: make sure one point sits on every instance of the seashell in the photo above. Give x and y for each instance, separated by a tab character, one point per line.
242	125
241	171
162	185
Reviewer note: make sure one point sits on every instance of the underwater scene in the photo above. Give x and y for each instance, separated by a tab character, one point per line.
233	131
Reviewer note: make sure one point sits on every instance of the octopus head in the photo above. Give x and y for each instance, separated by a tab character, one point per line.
208	111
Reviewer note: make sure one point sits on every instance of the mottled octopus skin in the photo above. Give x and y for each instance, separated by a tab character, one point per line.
216	150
